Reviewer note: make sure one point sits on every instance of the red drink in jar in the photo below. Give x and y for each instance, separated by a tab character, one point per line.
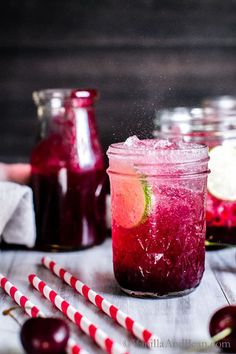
68	176
158	199
215	126
221	201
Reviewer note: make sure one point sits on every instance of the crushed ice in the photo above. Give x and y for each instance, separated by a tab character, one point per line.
147	144
157	144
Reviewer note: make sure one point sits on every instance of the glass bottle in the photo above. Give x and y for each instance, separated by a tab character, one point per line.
158	201
68	175
214	126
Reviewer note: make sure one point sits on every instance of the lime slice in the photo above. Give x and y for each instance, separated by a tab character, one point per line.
222	179
131	199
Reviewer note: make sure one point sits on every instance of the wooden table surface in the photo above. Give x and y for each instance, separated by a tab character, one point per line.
179	322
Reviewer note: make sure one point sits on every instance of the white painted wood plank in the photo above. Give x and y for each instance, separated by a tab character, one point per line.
223	265
178	321
10	342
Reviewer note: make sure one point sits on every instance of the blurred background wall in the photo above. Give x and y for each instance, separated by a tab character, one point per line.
140	54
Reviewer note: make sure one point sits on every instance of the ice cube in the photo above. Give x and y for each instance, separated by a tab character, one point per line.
163	144
132	141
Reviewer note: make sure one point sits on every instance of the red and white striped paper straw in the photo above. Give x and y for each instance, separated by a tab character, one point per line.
112	311
33	311
98	335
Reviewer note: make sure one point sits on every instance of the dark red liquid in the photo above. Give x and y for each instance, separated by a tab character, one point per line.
69	216
221	220
165	254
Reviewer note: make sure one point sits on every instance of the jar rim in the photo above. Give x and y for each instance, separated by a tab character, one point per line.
194	115
220	102
65	95
121	147
192	153
194	134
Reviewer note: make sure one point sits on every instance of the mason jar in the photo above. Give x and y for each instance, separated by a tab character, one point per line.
214	126
68	173
158	201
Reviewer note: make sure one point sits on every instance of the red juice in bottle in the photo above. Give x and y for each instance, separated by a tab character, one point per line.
158	201
68	176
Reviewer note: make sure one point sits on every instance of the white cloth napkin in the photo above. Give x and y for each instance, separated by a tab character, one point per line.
17	219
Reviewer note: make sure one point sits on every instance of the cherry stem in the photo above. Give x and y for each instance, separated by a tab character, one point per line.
218	244
8	312
216	338
221	335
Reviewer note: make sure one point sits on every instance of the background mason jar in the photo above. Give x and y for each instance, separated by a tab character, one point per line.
214	124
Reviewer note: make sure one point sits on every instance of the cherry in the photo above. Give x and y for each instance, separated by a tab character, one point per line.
44	335
222	328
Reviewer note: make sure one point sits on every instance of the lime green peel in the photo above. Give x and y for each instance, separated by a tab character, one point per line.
147	190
